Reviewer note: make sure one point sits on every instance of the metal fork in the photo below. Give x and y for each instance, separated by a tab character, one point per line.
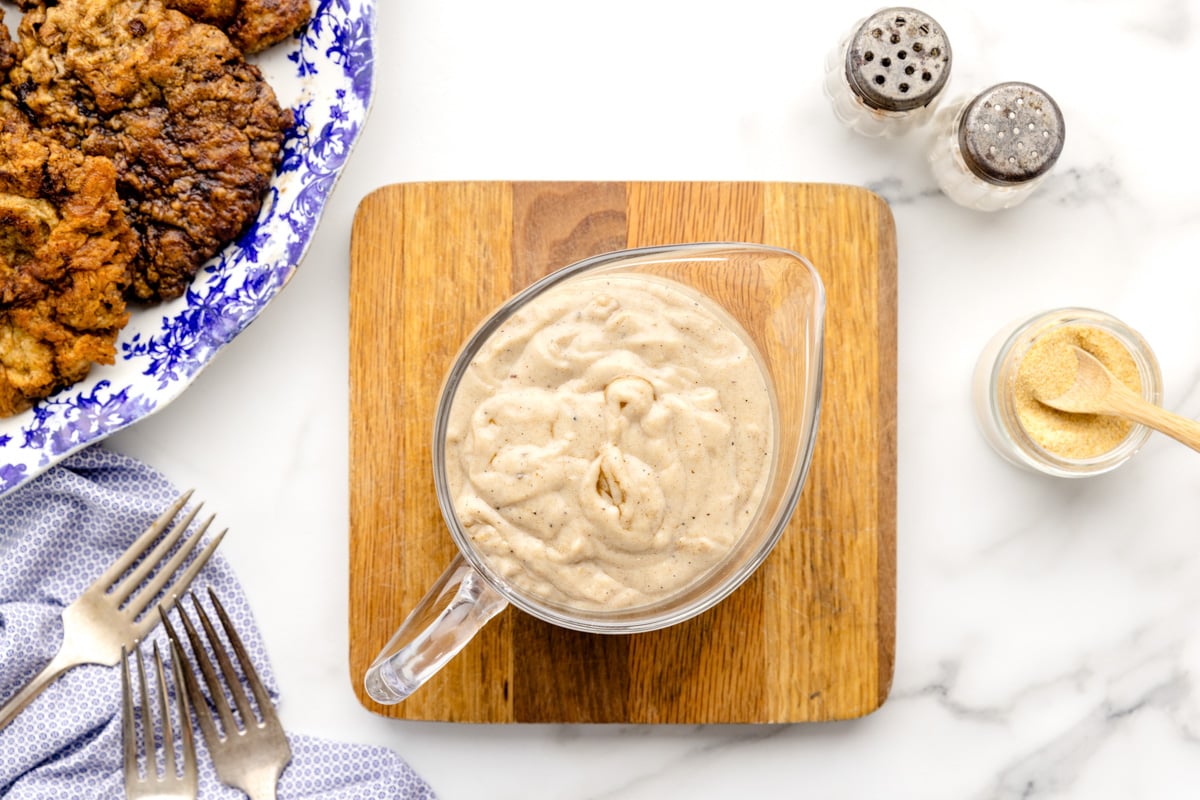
250	757
113	612
149	784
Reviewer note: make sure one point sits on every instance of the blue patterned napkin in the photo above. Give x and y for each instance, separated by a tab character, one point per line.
57	534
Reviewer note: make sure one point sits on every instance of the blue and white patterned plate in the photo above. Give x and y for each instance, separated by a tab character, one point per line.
326	76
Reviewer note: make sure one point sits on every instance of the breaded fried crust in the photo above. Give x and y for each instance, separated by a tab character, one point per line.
65	251
252	25
8	48
194	131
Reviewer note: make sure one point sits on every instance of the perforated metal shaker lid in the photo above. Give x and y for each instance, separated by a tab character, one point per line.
1011	133
898	59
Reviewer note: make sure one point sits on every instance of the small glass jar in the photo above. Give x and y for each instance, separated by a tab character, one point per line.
885	76
995	389
991	151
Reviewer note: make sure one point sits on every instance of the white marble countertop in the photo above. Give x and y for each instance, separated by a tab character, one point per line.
1047	634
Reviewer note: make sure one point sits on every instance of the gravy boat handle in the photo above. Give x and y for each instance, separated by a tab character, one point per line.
454	609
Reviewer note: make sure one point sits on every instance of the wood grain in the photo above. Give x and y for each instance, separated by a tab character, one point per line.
809	637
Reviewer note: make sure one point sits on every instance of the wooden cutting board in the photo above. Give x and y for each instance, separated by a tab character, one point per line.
809	637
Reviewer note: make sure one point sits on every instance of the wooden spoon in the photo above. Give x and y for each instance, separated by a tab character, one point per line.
1096	391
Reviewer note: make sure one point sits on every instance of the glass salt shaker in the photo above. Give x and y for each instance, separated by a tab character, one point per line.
992	150
886	76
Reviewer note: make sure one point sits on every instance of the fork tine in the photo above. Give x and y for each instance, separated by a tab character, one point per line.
265	707
128	740
147	722
231	678
161	580
119	567
196	698
178	776
208	672
131	585
165	715
185	717
125	588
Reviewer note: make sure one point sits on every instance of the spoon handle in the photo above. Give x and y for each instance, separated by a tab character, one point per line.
1131	406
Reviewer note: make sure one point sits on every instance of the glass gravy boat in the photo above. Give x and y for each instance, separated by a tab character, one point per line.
778	300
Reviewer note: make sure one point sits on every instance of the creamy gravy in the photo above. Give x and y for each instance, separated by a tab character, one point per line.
611	442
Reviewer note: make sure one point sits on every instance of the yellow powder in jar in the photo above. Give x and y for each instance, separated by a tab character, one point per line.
1049	368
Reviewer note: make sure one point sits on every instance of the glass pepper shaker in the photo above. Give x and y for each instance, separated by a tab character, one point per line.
885	77
992	150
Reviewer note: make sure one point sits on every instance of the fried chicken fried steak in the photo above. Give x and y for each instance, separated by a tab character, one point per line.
65	251
135	143
252	25
195	132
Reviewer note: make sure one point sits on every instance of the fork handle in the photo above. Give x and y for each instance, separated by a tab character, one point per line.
62	661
